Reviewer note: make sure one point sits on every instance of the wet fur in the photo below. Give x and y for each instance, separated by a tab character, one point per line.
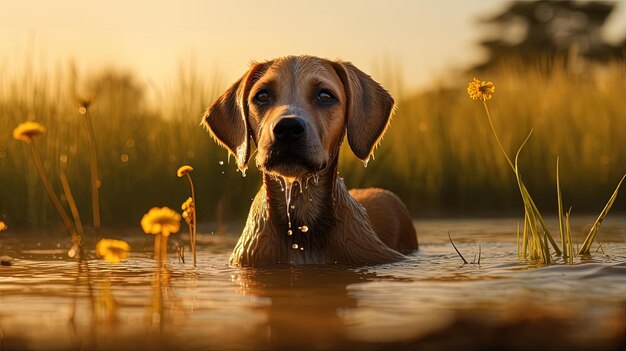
340	230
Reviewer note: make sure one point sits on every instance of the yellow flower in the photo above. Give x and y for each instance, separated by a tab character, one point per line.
27	130
3	226
188	204
184	170
161	221
112	250
480	90
189	210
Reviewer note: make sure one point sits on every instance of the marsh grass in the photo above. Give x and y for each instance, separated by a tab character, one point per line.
586	246
465	262
83	109
536	238
437	154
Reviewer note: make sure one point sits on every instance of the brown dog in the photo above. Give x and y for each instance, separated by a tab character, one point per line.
297	111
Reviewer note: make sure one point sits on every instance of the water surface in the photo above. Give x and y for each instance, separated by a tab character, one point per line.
430	301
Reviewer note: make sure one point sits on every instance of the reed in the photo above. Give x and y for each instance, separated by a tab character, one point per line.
83	109
586	246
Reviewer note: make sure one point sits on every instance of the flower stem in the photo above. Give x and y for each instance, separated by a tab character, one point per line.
53	197
70	200
193	230
522	186
493	129
157	247
93	168
163	255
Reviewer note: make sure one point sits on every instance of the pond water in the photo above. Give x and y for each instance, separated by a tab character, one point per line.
430	301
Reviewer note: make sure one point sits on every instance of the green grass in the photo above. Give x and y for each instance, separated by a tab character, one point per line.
438	154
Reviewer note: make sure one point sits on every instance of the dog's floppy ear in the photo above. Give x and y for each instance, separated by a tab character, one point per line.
369	107
227	118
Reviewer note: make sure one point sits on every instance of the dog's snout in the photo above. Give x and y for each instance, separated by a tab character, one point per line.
289	128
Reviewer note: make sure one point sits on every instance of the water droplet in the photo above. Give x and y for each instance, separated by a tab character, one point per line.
302	249
303	228
289	232
293	207
295	246
280	183
288	187
222	172
366	161
221	163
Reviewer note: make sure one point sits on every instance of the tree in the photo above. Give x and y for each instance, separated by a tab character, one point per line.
532	31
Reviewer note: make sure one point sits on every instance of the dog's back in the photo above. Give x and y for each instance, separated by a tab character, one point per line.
389	218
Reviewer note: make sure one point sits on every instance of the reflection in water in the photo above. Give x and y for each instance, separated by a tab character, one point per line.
305	303
424	302
166	311
83	281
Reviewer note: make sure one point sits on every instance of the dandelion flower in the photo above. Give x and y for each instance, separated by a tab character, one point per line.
480	90
161	221
27	130
112	250
184	170
3	226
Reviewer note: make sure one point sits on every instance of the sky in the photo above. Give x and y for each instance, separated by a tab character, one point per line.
425	39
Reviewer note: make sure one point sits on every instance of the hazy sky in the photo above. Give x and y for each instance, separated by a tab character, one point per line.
151	38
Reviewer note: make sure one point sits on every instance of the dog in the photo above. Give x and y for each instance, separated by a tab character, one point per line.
297	111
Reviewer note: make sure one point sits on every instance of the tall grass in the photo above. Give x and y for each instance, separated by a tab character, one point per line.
438	154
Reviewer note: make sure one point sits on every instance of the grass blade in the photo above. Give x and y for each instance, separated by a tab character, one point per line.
560	206
568	237
525	238
457	250
519	246
584	249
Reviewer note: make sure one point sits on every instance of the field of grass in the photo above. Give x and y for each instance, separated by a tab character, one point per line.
439	154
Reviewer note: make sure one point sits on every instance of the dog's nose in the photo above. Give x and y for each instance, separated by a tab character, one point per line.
290	128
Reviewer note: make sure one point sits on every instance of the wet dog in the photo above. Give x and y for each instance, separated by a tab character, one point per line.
297	110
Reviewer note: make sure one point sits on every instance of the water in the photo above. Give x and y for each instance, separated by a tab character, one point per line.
428	302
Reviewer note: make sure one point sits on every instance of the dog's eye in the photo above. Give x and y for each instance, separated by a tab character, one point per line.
262	96
325	97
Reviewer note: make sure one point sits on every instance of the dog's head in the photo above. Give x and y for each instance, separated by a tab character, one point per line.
297	111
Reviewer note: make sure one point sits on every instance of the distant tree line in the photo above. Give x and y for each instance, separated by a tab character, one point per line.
540	31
